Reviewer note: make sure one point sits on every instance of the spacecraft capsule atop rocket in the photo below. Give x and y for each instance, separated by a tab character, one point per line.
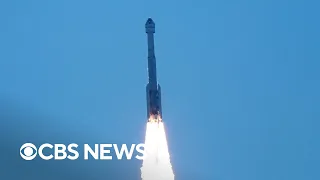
153	90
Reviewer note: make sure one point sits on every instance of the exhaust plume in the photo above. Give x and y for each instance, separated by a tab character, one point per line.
156	165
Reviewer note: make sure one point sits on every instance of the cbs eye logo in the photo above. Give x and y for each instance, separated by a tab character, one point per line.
28	151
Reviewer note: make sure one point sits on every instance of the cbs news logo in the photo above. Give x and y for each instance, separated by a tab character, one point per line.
29	151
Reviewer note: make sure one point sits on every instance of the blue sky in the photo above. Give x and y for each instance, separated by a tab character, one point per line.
240	83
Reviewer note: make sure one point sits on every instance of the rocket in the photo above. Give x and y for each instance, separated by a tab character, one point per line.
153	89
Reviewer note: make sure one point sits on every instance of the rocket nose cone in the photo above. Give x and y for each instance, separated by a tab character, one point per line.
150	26
149	22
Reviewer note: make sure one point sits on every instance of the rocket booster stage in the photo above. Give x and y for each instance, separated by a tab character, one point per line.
154	109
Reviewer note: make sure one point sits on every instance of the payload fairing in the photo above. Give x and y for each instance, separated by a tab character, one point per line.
153	89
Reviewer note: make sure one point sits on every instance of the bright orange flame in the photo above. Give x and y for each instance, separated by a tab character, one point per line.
154	118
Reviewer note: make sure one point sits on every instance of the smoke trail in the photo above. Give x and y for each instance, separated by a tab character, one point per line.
156	165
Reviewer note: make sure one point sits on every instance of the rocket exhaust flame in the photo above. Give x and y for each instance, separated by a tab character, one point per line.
156	165
154	119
